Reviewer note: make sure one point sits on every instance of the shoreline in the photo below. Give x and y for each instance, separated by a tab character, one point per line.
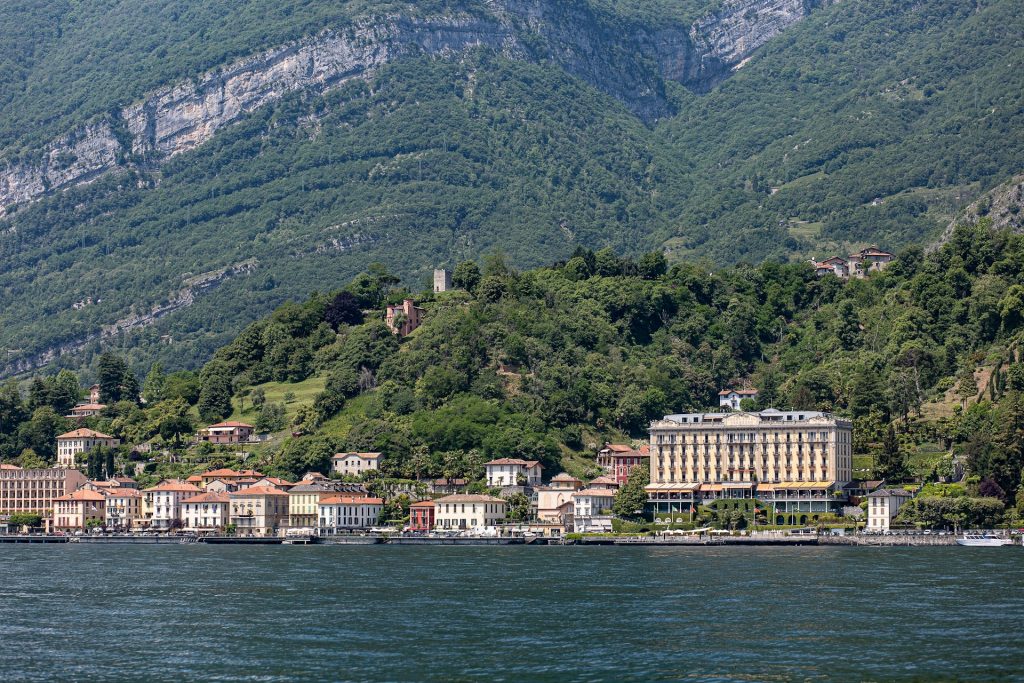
620	541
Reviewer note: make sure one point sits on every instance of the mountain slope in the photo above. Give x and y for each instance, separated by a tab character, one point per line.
865	121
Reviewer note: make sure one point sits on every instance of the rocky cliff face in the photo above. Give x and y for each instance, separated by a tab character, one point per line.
631	65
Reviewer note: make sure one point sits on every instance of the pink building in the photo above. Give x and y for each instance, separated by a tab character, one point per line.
402	320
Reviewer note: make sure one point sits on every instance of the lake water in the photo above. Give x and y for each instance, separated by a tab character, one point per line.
173	613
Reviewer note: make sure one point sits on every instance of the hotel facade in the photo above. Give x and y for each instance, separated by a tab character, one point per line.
796	461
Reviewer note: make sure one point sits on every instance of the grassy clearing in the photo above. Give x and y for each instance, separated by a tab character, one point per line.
355	410
305	393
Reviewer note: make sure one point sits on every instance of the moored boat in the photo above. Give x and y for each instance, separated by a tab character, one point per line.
983	540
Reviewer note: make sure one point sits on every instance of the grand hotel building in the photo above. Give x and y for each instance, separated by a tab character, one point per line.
795	461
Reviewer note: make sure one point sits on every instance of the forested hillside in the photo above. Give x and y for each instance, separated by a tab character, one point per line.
549	363
863	122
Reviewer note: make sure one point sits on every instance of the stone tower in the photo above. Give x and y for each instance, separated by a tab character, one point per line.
442	280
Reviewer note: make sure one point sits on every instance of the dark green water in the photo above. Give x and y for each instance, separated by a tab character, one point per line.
176	613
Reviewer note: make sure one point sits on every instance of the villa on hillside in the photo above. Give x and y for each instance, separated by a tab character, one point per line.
71	444
858	264
404	318
227	432
730	398
619	460
355	463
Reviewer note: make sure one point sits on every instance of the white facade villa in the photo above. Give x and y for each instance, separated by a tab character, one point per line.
883	505
355	463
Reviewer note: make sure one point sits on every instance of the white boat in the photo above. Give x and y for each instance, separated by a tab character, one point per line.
983	540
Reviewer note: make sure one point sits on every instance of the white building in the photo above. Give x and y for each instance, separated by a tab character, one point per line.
730	398
163	502
348	513
469	512
883	505
592	509
70	444
505	472
205	513
355	463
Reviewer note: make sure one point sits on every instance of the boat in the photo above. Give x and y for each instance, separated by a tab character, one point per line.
983	540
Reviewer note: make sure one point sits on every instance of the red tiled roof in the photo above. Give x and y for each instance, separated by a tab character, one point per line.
83	494
618	447
277	481
604	493
258	491
231	423
89	406
84	434
211	497
423	504
194	478
175	486
604	479
513	461
6	466
124	492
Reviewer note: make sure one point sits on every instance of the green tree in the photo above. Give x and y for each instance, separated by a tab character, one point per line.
631	498
466	276
518	507
155	384
116	379
892	461
215	396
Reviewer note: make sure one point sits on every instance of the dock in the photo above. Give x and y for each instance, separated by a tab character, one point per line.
12	538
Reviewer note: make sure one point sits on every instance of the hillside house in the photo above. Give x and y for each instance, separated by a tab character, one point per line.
404	318
730	398
227	432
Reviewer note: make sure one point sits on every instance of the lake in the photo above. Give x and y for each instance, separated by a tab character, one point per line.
400	613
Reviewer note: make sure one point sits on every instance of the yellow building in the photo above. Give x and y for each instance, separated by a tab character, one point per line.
797	461
304	500
124	508
79	510
258	511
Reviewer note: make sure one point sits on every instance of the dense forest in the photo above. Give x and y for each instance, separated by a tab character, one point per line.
865	122
549	363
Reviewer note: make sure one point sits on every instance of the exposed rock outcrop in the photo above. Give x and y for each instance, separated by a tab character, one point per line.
1003	205
631	65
